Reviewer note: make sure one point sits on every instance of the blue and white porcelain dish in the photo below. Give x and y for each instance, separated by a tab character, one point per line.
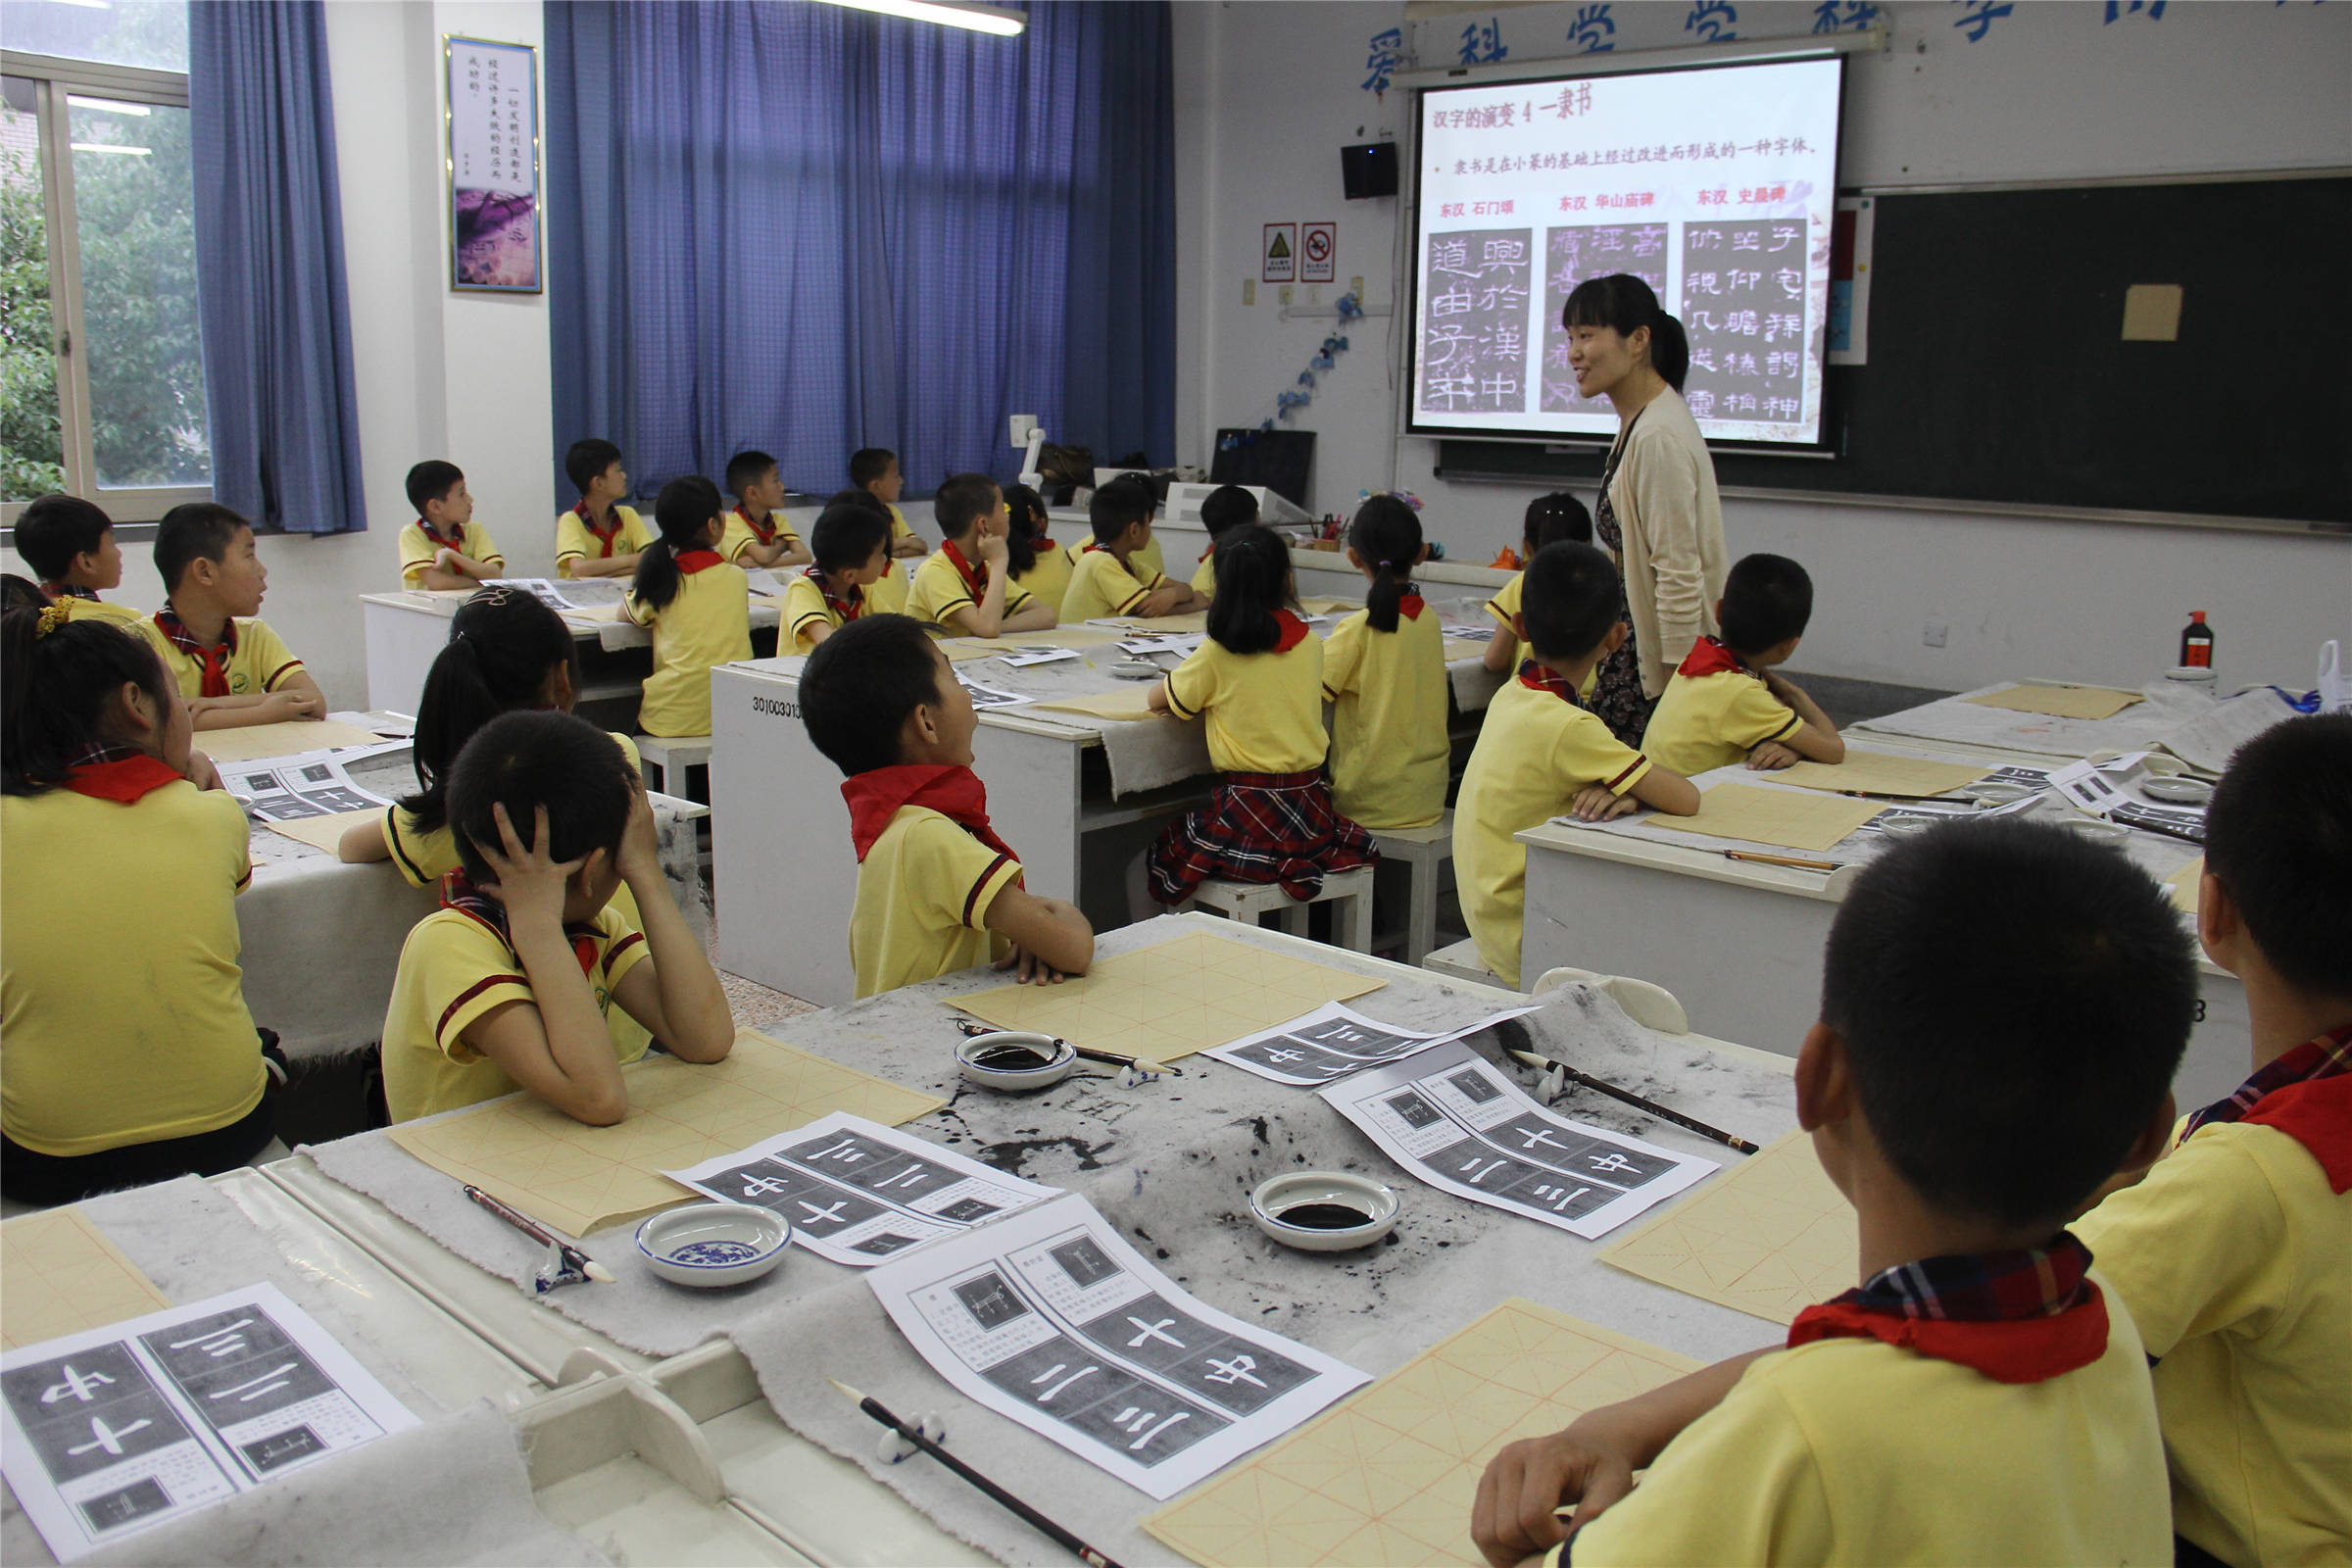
713	1244
1013	1061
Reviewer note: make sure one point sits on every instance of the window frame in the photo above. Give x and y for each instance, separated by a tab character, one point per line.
56	79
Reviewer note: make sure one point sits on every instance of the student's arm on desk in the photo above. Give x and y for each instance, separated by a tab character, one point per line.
1050	938
1499	649
577	566
1660	787
363	843
298	698
1591	1464
786	550
674	994
1815	739
452	569
1170	598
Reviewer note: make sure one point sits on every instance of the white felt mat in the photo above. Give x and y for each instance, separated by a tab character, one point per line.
2168	705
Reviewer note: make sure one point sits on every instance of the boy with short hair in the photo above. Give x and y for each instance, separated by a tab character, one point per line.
598	537
852	553
1541	753
887	594
936	890
69	545
233	669
1979	1399
965	587
1108	576
507	986
1227	507
756	533
445	548
1725	703
2235	1252
875	471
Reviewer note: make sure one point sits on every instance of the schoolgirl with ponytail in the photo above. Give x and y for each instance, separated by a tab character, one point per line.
132	1058
698	607
1037	564
1384	672
1258	683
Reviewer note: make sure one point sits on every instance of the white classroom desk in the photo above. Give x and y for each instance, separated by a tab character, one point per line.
1740	943
1321	573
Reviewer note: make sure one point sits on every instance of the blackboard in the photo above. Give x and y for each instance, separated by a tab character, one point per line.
1997	370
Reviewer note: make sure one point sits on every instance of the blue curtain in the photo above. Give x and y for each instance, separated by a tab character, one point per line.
269	267
808	229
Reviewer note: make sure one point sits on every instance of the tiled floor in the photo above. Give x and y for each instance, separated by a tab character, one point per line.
756	1007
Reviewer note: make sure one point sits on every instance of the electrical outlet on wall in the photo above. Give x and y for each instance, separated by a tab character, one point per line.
1314	293
1355	286
1933	633
1249	291
1290	292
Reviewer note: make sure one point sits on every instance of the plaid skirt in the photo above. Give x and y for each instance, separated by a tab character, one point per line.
1260	827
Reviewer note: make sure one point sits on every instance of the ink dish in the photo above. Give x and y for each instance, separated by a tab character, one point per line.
1324	1210
708	1246
1011	1062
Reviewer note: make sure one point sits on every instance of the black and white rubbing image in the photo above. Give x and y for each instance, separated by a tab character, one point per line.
1414	1112
1350	1038
992	1303
810	1203
236	1366
884	1245
1474	347
1092	1394
1475	1086
1744	306
966	1211
1085	1263
877	1168
90	1410
1530	1137
281	1448
1572	254
127	1505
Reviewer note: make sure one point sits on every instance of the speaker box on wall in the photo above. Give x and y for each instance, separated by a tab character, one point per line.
1369	169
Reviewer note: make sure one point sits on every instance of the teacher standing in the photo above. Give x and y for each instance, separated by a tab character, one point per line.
1659	515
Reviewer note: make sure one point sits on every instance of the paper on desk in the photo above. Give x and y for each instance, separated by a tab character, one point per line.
985	697
858	1193
1792	818
1051	656
1771	1238
962	650
1048	1318
563	597
1881	773
2059	702
1333	1041
2184	884
114	1429
252	743
1198	621
297	788
1130	704
58	1274
325	832
2207	742
1452	1118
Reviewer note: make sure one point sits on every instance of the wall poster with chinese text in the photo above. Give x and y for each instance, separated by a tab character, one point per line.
493	164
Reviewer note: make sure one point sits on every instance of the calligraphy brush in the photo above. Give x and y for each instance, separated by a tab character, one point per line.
875	1408
1652	1108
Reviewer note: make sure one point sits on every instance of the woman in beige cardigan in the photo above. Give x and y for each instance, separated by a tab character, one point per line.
1659	515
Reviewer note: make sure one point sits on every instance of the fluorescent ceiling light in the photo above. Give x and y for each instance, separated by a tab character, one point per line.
87	5
109	106
108	147
1003	21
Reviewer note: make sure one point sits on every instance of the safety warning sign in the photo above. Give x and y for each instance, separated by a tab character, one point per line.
1319	247
1280	253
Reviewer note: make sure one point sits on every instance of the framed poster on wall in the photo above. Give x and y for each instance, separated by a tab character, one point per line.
492	121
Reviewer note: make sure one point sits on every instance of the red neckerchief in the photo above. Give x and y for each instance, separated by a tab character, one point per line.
2016	1317
691	562
458	543
1710	657
604	535
975	579
119	773
1210	551
1098	548
1409	601
215	659
763	530
68	590
2307	1094
1289	631
954	793
458	892
848	608
1536	679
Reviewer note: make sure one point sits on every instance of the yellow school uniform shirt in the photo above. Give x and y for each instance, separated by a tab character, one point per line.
899	527
1144	564
1049	579
1709	722
453	970
122	1014
923	895
80	608
1504	605
1101	584
2235	1261
805	607
1388	746
939	590
260	663
423	858
419	547
574	541
1533	754
1266	710
709	623
1851	1450
887	594
739	536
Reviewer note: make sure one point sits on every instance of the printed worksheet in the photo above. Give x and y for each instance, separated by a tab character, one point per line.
1333	1041
859	1193
118	1428
985	697
1452	1118
1049	1318
286	789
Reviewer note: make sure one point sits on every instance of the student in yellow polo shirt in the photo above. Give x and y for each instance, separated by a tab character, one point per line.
852	542
2235	1252
967	587
1979	1397
698	607
1384	672
1108	575
936	890
1548	520
1038	565
1226	508
1723	704
756	533
1259	682
887	594
445	548
508	985
69	545
132	1058
598	537
875	471
232	670
1541	753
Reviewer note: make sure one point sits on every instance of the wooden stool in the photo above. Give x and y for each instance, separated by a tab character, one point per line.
1351	890
657	755
1463	963
1425	853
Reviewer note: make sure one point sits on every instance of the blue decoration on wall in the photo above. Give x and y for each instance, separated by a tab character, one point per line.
1303	391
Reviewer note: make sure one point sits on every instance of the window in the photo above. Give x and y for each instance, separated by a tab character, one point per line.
101	367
